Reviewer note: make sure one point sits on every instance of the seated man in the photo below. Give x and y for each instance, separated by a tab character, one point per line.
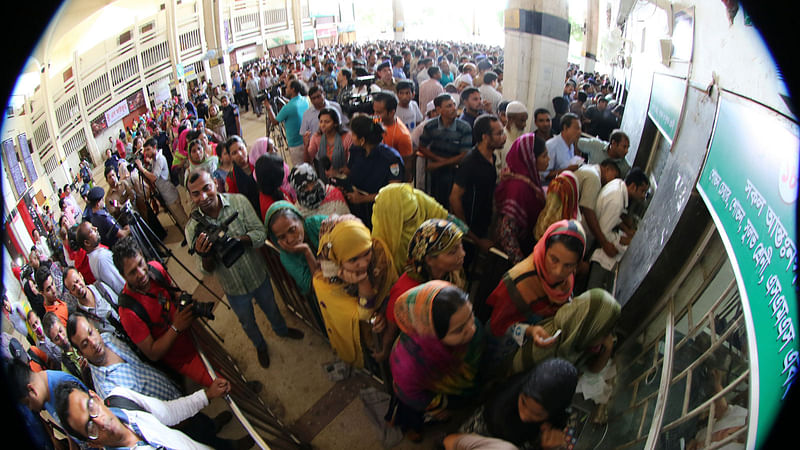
98	215
36	389
97	301
149	313
113	364
140	420
100	259
71	361
47	286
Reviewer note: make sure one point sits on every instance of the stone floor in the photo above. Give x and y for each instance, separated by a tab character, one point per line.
296	388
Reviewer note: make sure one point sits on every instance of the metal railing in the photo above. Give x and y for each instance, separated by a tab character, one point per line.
266	429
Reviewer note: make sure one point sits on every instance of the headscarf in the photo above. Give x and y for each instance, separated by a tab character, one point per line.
261	147
274	208
299	177
589	316
508	297
552	384
424	370
562	202
519	194
344	237
433	237
399	210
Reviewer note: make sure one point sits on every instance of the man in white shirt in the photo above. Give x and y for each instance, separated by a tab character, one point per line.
592	178
430	88
516	122
489	92
142	421
407	109
310	121
562	148
101	261
98	301
611	203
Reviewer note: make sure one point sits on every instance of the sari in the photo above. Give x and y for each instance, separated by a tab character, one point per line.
590	316
425	371
519	194
561	204
295	263
399	210
342	238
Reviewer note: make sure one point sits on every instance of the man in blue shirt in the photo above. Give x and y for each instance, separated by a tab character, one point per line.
35	389
113	364
444	142
292	116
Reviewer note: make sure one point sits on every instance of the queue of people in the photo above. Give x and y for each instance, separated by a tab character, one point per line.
382	216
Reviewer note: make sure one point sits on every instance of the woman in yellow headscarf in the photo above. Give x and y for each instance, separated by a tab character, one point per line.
399	210
354	281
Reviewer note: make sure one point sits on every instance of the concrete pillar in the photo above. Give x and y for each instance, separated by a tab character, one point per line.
174	47
215	38
398	20
590	38
536	49
297	21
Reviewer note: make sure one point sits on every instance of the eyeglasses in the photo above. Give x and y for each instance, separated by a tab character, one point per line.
94	410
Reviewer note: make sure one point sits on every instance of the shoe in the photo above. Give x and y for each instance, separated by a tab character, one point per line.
254	386
244	443
294	333
221	420
263	358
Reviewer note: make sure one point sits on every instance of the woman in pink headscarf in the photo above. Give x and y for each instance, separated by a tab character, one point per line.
263	146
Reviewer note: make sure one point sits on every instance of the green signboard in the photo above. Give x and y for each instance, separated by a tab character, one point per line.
749	183
666	103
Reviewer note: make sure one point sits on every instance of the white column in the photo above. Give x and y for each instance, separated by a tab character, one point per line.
536	49
398	20
590	38
297	21
174	46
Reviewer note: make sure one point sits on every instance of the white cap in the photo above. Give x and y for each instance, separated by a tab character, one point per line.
516	107
429	107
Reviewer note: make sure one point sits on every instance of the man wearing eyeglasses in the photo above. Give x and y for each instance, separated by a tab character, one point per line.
142	421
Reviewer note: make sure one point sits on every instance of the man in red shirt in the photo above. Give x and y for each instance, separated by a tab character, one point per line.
161	334
45	284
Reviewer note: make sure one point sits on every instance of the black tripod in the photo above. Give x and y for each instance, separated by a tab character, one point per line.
154	249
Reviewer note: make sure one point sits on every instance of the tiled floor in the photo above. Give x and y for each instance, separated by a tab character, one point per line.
295	381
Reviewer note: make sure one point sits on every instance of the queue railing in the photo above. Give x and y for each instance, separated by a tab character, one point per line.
255	416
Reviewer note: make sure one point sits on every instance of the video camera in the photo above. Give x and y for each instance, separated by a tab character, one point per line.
360	103
223	246
199	309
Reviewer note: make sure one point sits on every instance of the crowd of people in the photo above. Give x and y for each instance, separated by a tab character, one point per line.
407	171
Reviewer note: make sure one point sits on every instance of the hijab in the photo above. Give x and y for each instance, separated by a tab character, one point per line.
344	237
261	147
422	367
562	202
519	193
552	384
508	303
399	210
299	177
433	237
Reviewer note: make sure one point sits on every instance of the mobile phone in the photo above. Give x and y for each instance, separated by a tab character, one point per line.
552	338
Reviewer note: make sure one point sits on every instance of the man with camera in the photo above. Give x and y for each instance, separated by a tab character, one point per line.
150	314
242	277
158	174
